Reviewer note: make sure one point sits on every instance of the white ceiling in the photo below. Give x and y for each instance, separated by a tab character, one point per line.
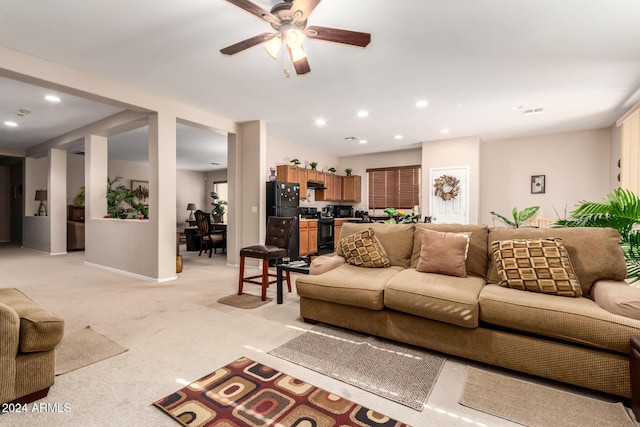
472	60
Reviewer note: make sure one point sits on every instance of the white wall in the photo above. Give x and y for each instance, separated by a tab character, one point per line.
75	176
280	152
191	188
576	165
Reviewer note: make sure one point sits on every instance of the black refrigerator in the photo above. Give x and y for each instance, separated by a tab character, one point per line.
283	199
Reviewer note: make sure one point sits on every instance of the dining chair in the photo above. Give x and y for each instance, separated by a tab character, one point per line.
203	222
276	246
541	222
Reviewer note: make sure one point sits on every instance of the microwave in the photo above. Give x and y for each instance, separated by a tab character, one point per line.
342	211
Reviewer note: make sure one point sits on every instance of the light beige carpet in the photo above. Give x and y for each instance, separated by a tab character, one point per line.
538	406
82	348
394	371
243	301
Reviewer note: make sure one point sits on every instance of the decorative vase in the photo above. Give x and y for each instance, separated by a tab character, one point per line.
179	264
123	215
272	177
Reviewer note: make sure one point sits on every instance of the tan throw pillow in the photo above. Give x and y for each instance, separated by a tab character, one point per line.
364	250
536	265
443	253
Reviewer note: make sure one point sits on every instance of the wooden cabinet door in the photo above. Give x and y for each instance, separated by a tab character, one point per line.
337	188
320	177
302	178
351	188
287	173
326	195
312	175
313	237
304	238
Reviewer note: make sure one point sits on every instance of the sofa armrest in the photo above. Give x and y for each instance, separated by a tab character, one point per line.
617	297
9	339
325	263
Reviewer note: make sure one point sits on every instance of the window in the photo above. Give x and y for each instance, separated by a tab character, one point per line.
394	187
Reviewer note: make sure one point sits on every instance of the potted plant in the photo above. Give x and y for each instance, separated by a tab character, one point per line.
332	170
313	165
296	162
117	197
219	207
519	217
348	171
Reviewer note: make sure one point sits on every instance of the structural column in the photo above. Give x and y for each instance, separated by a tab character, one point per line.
57	200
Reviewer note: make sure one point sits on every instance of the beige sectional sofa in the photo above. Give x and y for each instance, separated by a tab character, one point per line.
569	339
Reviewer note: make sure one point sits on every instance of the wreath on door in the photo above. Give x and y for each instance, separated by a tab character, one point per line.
447	187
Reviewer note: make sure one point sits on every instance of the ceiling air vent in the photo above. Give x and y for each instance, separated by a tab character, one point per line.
531	111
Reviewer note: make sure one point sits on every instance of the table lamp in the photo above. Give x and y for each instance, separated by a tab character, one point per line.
41	196
191	207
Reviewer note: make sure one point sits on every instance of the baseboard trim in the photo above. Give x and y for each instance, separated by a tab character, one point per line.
130	274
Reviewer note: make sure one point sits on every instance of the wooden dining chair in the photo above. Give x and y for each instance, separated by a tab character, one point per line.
541	222
203	222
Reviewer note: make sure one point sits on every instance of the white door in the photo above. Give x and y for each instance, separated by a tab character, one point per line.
449	201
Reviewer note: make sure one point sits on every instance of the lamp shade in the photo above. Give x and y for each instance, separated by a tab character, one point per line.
41	195
191	207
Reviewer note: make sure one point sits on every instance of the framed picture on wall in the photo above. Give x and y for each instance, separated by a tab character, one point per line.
537	184
142	187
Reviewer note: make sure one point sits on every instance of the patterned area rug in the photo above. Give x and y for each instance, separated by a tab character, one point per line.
397	372
247	393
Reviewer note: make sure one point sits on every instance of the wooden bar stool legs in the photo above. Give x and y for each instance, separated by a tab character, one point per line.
264	278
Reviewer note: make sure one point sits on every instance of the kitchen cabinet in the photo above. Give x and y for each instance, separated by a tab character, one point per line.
351	188
308	238
302	179
328	194
312	175
286	173
320	177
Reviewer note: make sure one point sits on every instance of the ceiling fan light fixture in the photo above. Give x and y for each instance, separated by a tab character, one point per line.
294	37
273	47
297	54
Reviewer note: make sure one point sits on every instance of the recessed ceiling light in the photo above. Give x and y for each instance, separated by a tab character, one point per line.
321	122
10	124
516	107
363	113
531	111
398	136
421	103
363	141
444	130
52	98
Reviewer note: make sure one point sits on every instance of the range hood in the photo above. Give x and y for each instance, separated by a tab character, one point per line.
316	185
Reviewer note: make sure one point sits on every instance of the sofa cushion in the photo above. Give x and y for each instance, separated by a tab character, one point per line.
443	253
477	257
363	249
595	253
396	239
535	265
435	296
348	285
577	320
617	297
40	329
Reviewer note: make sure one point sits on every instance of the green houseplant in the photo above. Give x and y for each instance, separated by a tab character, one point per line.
296	162
519	217
332	170
118	196
619	210
313	165
348	171
219	207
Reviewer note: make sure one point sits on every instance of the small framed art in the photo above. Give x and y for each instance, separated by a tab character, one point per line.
538	185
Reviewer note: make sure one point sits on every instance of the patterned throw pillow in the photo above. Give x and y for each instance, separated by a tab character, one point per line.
364	250
536	265
443	253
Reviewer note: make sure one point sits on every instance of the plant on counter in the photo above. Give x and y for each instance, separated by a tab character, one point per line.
117	196
332	170
79	200
313	165
348	171
620	210
519	217
398	216
295	161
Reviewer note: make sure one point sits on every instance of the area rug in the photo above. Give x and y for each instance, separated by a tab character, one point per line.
538	406
394	371
244	301
247	393
82	348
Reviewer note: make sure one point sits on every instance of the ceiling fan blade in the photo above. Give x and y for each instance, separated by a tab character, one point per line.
335	35
254	9
301	66
246	44
303	8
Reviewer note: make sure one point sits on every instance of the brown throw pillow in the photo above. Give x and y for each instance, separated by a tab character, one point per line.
443	253
364	250
536	265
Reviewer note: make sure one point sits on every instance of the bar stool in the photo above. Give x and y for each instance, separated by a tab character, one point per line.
276	246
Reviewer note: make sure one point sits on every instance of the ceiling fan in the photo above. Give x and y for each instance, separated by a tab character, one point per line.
289	20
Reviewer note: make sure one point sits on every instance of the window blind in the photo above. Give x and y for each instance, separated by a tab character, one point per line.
394	187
